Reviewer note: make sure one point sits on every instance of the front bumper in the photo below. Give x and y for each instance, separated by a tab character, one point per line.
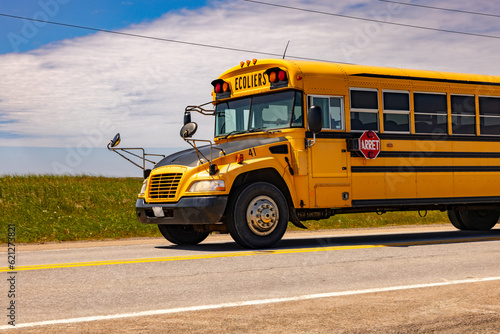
187	211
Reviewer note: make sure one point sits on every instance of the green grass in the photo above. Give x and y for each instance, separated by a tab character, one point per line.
64	208
68	208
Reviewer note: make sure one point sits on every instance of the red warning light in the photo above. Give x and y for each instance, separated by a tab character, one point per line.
278	77
221	88
218	88
282	76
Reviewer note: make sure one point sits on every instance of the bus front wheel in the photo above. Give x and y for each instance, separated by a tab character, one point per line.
479	220
182	234
258	217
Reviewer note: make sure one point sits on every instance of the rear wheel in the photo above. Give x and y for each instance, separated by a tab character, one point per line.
258	217
480	220
182	234
455	219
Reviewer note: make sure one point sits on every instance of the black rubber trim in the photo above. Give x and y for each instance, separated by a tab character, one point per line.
424	169
403	136
187	211
402	77
423	154
279	149
424	201
189	157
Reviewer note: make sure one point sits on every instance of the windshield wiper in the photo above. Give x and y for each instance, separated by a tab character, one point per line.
259	129
237	132
234	132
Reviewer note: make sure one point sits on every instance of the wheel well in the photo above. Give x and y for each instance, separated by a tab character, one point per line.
269	175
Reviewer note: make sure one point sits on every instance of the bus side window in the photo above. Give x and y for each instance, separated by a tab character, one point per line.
396	111
463	114
489	112
431	113
336	113
297	117
333	112
364	109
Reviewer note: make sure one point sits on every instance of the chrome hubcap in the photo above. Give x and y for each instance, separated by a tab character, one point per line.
262	215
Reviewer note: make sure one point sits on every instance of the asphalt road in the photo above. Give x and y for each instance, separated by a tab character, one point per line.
400	280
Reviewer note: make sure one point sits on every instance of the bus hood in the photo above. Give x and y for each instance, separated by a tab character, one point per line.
189	157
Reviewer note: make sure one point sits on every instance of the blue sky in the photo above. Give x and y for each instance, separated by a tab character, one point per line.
109	15
21	36
65	92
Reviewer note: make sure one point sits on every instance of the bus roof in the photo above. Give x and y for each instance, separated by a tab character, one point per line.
338	69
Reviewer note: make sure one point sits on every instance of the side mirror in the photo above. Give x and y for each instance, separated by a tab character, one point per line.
315	119
188	130
187	117
115	141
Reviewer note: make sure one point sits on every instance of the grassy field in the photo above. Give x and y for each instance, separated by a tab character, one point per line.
62	208
66	208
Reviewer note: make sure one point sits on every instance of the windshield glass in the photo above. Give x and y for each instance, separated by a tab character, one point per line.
272	111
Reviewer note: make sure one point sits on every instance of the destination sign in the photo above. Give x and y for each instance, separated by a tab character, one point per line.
252	80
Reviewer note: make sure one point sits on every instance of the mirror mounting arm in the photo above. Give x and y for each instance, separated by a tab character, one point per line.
211	167
309	142
314	123
200	109
143	157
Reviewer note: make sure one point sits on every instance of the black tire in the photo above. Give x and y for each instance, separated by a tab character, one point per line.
182	234
258	217
479	220
456	220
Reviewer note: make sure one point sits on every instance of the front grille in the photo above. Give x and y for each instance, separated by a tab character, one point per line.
164	186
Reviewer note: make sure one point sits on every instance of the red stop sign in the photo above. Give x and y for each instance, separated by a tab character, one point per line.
369	144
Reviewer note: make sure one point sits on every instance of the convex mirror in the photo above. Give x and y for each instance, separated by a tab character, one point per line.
315	119
115	141
188	130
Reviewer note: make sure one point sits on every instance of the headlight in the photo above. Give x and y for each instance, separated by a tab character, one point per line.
205	186
144	187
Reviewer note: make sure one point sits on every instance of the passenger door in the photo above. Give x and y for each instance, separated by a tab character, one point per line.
329	154
329	176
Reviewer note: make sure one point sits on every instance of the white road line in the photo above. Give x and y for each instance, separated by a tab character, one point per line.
247	303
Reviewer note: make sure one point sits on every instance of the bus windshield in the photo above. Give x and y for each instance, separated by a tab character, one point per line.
260	112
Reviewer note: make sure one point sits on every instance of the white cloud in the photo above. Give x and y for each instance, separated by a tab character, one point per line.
83	90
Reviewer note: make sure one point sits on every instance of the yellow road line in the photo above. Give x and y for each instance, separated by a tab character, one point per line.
183	258
238	254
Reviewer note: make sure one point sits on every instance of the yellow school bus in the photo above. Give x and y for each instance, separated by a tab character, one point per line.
302	140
